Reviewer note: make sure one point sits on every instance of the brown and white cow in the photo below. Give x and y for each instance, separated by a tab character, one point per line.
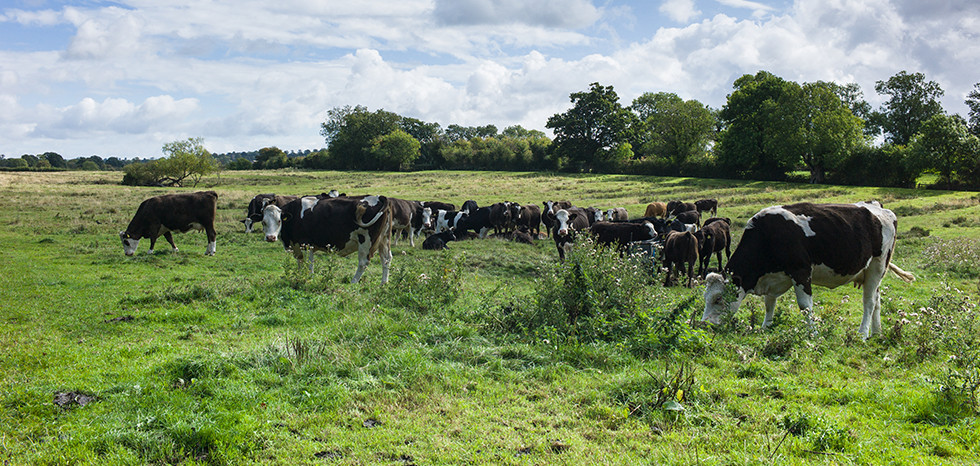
567	223
617	214
402	212
344	224
167	213
253	214
801	245
714	238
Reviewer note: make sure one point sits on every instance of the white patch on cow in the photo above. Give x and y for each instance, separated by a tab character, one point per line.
333	193
551	206
130	245
823	275
562	221
372	200
773	283
483	232
307	203
801	221
248	225
363	253
653	231
887	219
272	217
211	248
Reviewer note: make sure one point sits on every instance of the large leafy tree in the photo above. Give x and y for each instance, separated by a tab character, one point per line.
185	160
911	101
271	157
944	145
672	128
590	134
350	131
396	150
763	131
973	102
830	129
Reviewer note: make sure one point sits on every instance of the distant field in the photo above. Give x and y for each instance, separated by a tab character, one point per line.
242	358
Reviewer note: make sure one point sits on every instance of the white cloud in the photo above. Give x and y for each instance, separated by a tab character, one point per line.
545	13
680	11
114	115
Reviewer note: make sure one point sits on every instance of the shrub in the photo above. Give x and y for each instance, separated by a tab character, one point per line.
427	289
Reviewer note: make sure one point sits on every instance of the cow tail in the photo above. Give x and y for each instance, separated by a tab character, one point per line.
381	212
905	276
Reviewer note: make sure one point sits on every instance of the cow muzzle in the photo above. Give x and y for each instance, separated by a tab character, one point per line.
271	238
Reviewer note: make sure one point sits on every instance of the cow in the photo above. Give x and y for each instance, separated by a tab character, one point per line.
620	234
500	217
548	213
437	241
253	212
676	207
617	214
436	205
346	224
446	219
421	220
567	223
800	245
717	219
706	205
713	238
656	209
167	213
595	215
689	217
530	217
680	248
478	221
468	206
402	212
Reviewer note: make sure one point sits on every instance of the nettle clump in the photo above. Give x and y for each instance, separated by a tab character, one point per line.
427	287
956	256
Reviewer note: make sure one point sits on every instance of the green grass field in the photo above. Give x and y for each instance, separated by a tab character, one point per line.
467	356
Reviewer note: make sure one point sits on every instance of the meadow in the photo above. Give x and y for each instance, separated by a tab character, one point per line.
471	355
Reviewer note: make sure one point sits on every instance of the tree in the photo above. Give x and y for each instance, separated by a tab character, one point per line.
240	163
595	125
830	130
350	132
912	100
185	160
55	159
763	127
944	145
395	150
271	157
672	128
973	102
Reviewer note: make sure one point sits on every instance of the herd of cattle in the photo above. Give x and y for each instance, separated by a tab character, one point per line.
782	247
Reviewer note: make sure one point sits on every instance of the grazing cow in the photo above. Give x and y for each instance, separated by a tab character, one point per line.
713	238
436	205
253	213
446	219
706	205
567	223
437	241
680	248
656	209
477	221
801	245
621	234
530	218
468	206
676	207
500	216
594	214
689	217
167	213
346	224
617	214
402	212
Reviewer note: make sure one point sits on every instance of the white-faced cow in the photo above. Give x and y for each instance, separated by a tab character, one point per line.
617	214
253	213
167	213
801	245
595	214
567	223
344	224
421	220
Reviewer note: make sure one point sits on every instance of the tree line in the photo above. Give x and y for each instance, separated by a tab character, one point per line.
770	128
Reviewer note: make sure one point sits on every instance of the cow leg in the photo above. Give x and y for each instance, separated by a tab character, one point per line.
212	236
804	298
770	300
364	253
170	239
153	242
385	254
871	323
670	268
690	273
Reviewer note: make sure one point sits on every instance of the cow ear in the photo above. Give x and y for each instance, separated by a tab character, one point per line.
285	216
572	216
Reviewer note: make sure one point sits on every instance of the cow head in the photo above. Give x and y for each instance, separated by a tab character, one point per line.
721	297
427	218
129	243
563	218
273	217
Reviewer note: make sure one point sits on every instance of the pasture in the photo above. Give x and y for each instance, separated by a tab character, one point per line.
467	356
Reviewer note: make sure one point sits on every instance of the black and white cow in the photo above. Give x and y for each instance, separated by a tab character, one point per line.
421	220
567	223
253	213
477	221
468	206
446	219
801	245
548	213
620	234
344	224
167	213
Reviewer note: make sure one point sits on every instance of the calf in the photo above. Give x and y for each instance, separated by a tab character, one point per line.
567	223
344	224
707	205
800	245
713	238
167	213
656	209
620	234
438	241
617	214
680	248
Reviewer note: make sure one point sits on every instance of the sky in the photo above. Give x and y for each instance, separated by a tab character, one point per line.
123	78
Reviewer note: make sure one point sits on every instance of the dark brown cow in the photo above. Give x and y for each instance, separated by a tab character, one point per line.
713	238
800	245
167	213
500	217
344	224
530	218
690	217
676	207
437	241
436	205
253	214
680	248
706	205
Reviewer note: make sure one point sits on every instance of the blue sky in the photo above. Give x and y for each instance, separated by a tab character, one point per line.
123	78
